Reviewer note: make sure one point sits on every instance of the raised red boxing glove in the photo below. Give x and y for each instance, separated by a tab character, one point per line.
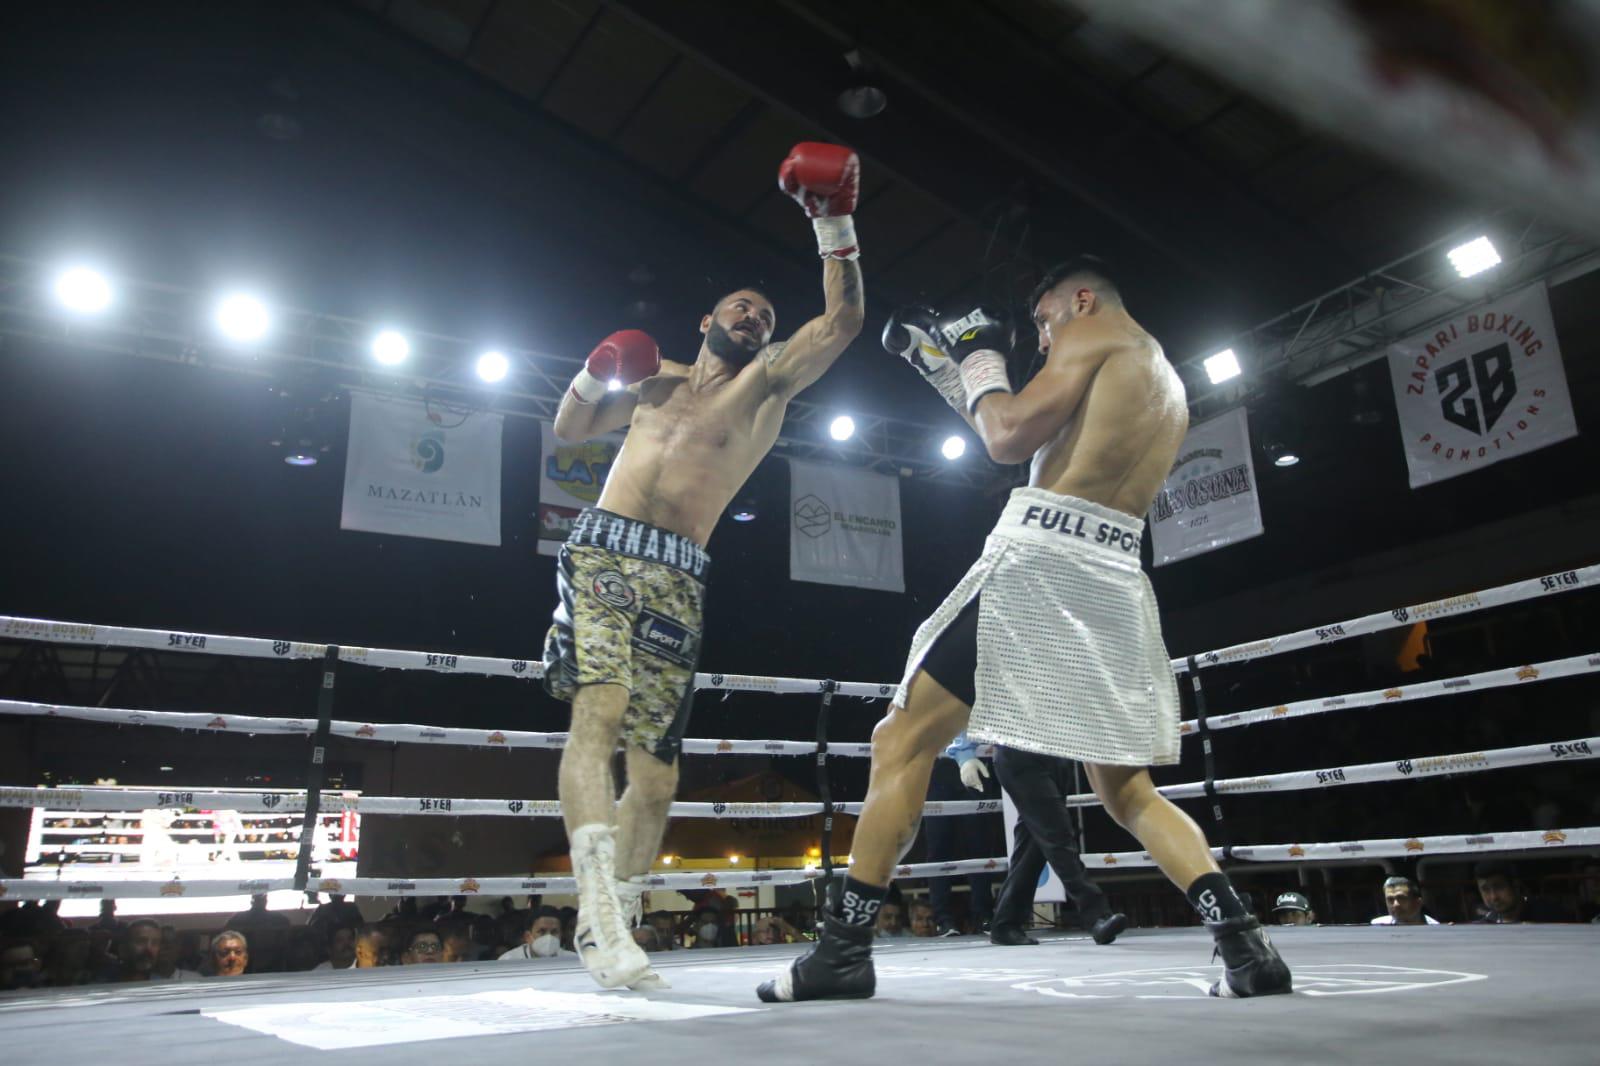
825	180
627	356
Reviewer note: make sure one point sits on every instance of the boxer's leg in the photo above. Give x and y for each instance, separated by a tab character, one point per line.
585	782
642	813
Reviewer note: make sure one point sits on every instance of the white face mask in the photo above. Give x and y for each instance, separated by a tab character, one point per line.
546	945
708	933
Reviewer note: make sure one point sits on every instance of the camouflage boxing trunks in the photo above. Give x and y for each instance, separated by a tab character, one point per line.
631	602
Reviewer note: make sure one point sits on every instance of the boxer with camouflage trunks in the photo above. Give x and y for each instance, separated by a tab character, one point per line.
1052	642
626	635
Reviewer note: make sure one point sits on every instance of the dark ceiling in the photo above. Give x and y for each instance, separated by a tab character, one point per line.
548	170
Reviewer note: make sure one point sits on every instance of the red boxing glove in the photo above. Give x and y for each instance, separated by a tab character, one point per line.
627	356
825	180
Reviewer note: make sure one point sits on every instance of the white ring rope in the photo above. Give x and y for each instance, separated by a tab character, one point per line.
56	632
1393	770
108	888
403	733
1450	686
69	802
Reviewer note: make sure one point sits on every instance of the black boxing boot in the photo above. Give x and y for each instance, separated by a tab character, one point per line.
838	966
1251	965
1108	927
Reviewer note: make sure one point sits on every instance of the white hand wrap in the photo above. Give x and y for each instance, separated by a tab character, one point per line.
981	374
588	388
946	377
836	237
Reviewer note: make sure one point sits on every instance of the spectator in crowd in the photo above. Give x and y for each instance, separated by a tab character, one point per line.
440	906
136	952
706	925
108	918
541	939
1504	899
645	937
891	918
194	948
424	945
337	912
370	947
19	965
304	950
67	962
168	967
1403	899
1589	892
774	930
1292	908
341	947
456	936
569	925
258	917
922	920
662	923
230	954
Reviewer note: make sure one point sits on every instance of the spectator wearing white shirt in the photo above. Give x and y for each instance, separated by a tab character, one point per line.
1404	901
541	941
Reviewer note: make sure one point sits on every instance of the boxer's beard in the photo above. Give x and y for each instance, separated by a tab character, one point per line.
729	348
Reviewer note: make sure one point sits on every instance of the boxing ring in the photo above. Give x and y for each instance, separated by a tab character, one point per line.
1467	992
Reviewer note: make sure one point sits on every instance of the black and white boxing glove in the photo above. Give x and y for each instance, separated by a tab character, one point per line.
978	342
910	333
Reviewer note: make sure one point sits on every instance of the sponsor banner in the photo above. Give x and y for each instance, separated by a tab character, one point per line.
409	473
571	477
1482	386
1210	499
844	527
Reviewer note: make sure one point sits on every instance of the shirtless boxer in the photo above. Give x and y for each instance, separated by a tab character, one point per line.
1051	643
631	577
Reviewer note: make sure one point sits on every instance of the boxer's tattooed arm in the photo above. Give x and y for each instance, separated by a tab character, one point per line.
801	360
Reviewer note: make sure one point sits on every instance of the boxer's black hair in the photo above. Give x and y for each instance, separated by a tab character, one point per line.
1091	268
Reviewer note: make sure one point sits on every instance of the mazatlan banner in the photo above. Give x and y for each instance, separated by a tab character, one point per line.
413	473
844	527
1482	386
1210	498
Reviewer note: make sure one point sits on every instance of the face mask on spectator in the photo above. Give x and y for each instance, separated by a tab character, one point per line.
546	945
708	932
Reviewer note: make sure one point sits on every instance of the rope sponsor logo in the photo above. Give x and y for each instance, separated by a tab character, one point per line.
401	886
1438	608
497	737
252	887
745	682
186	640
514	806
774	745
1414	845
468	887
1403	765
137	718
1457	682
902	871
709	881
1279	711
1566	580
281	647
43	797
1336	701
1401	614
270	800
724	746
1325	776
1109	860
1245	784
1527	673
1352	849
1296	851
217	723
1243	651
426	803
86	890
1479	841
534	886
519	666
441	662
175	799
1554	836
1446	764
27	629
1331	632
987	806
366	731
431	734
1393	694
1578	748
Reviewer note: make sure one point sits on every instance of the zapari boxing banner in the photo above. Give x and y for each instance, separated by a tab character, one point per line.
416	472
844	527
1484	385
1210	499
571	477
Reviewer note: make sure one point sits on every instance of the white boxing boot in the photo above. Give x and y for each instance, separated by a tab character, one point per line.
604	943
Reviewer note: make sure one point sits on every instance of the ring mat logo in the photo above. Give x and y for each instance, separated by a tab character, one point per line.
1182	982
1476	390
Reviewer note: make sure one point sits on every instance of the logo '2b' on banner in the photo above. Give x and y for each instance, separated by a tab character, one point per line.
1485	385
